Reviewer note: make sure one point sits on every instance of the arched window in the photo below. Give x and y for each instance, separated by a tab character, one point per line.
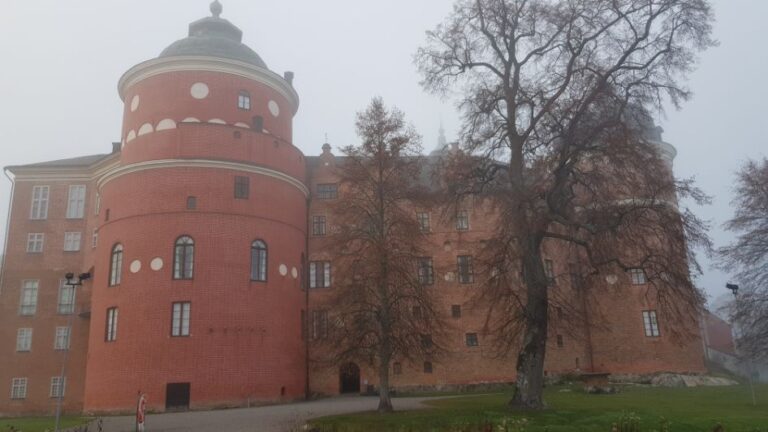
244	100
259	261
184	258
116	265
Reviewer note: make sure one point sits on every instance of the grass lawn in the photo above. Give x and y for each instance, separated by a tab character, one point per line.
685	410
39	424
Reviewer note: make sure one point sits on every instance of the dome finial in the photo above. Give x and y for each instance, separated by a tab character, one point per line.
216	8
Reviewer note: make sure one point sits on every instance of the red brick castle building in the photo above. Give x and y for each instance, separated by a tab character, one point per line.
204	232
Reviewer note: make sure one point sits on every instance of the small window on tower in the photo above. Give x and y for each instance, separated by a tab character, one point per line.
191	203
242	187
244	100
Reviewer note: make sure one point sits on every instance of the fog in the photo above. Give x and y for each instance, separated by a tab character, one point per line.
62	60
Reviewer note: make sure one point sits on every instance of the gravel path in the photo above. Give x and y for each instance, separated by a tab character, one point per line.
277	418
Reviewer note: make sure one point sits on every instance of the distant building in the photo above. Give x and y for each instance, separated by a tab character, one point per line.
205	230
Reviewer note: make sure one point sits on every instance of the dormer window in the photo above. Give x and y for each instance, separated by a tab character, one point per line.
244	100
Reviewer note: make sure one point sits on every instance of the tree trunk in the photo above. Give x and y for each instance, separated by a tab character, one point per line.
385	402
529	386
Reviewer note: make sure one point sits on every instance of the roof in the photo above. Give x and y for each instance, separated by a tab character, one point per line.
78	162
214	37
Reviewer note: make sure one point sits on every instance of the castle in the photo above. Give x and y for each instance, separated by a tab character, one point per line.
203	231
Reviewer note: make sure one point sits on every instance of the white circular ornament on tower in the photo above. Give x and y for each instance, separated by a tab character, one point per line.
274	108
199	90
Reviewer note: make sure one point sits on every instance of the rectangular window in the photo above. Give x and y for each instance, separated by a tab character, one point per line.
24	340
466	274
318	225
327	191
456	311
426	271
242	187
319	328
191	203
637	275
19	388
320	274
39	208
29	297
94	239
72	241
76	202
397	368
180	325
651	323
462	221
423	218
559	341
66	298
110	335
61	341
35	242
549	271
244	101
472	340
58	387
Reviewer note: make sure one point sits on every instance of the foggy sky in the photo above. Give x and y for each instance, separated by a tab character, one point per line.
61	61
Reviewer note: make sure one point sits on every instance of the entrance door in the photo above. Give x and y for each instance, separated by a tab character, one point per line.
177	397
349	377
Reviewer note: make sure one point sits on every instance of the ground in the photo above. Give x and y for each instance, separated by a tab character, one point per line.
571	410
38	424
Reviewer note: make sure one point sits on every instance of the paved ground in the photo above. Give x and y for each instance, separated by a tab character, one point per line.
278	418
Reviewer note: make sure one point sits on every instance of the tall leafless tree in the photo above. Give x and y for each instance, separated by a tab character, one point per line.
382	309
557	99
747	258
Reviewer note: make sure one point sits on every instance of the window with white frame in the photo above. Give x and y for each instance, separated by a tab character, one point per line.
35	242
320	274
58	386
424	222
637	275
180	319
76	202
651	323
116	265
19	388
66	304
466	274
462	220
319	328
426	271
24	340
244	100
72	241
28	304
110	334
40	195
94	239
184	258
61	341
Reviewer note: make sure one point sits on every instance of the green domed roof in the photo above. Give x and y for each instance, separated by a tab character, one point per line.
214	37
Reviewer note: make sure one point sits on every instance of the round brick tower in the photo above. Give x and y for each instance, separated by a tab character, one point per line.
197	293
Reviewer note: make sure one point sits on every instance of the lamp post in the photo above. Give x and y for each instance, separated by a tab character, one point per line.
70	277
735	289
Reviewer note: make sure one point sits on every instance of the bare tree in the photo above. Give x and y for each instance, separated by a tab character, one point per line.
383	309
556	98
747	257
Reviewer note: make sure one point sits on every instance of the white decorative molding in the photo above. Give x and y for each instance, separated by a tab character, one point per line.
164	65
295	273
165	124
217	121
131	136
200	163
190	120
243	125
135	103
146	128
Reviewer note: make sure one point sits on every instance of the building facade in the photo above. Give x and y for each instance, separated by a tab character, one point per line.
205	232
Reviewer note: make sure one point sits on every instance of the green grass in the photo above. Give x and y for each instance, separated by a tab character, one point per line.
39	424
685	409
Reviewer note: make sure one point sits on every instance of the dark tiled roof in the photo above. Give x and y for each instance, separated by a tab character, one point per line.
78	162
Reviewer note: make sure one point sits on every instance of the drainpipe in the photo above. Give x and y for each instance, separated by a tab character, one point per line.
305	324
7	230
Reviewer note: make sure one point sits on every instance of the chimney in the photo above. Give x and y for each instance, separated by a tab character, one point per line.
116	147
288	75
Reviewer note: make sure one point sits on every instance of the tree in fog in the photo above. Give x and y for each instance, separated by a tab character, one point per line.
556	98
747	258
382	307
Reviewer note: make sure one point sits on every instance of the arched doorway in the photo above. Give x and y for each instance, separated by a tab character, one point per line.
349	378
